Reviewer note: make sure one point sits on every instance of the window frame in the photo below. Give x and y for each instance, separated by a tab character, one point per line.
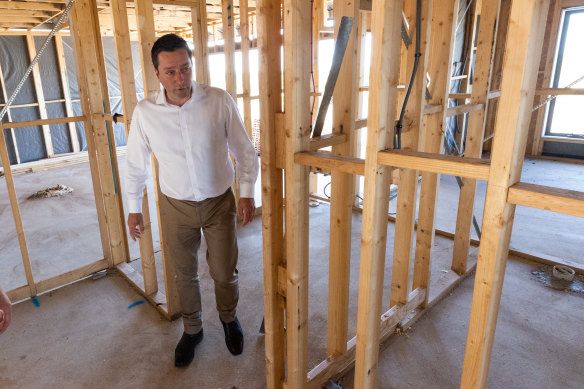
557	67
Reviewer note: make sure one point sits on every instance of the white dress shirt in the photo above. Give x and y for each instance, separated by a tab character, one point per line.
191	144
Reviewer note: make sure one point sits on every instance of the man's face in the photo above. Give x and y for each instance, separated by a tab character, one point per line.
174	73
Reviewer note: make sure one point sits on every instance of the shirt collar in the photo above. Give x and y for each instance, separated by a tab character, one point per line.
161	97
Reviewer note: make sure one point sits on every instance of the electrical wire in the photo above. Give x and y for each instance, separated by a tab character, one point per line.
417	55
328	196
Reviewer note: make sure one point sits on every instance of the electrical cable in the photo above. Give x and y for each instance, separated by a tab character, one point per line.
417	55
328	196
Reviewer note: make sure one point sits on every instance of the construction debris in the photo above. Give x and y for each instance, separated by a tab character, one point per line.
55	191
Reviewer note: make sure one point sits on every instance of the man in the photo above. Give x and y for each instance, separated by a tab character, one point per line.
5	311
190	128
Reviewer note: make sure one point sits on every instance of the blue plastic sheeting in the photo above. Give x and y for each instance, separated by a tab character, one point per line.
59	132
14	60
49	69
112	82
29	140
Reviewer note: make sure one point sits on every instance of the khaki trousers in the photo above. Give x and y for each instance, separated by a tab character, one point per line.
182	222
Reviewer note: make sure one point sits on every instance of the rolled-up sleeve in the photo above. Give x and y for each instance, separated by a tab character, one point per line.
242	149
137	164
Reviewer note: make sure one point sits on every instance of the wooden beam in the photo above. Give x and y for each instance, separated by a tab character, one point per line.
547	64
230	71
34	32
26	12
569	202
282	280
436	163
31	5
8	115
71	276
342	187
327	140
496	69
520	65
360	123
88	127
74	139
360	101
317	22
270	82
129	101
117	221
459	96
16	214
94	69
341	163
46	164
62	279
21	19
365	5
245	76
430	109
18	25
410	140
279	136
559	92
463	108
333	366
157	299
146	37
297	20
442	32
384	78
38	87
521	254
38	122
229	47
200	40
494	94
476	125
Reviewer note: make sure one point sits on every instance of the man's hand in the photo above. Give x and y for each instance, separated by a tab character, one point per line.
135	225
246	209
5	311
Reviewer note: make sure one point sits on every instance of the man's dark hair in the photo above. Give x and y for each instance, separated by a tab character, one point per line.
168	42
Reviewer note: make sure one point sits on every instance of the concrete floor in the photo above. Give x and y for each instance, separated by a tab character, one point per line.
84	335
538	341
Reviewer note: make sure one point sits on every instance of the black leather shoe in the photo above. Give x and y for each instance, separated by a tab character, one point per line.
185	349
233	336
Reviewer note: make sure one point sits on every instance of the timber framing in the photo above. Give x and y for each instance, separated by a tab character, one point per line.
508	75
88	20
421	153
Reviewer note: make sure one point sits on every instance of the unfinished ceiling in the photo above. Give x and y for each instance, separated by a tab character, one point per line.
169	15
